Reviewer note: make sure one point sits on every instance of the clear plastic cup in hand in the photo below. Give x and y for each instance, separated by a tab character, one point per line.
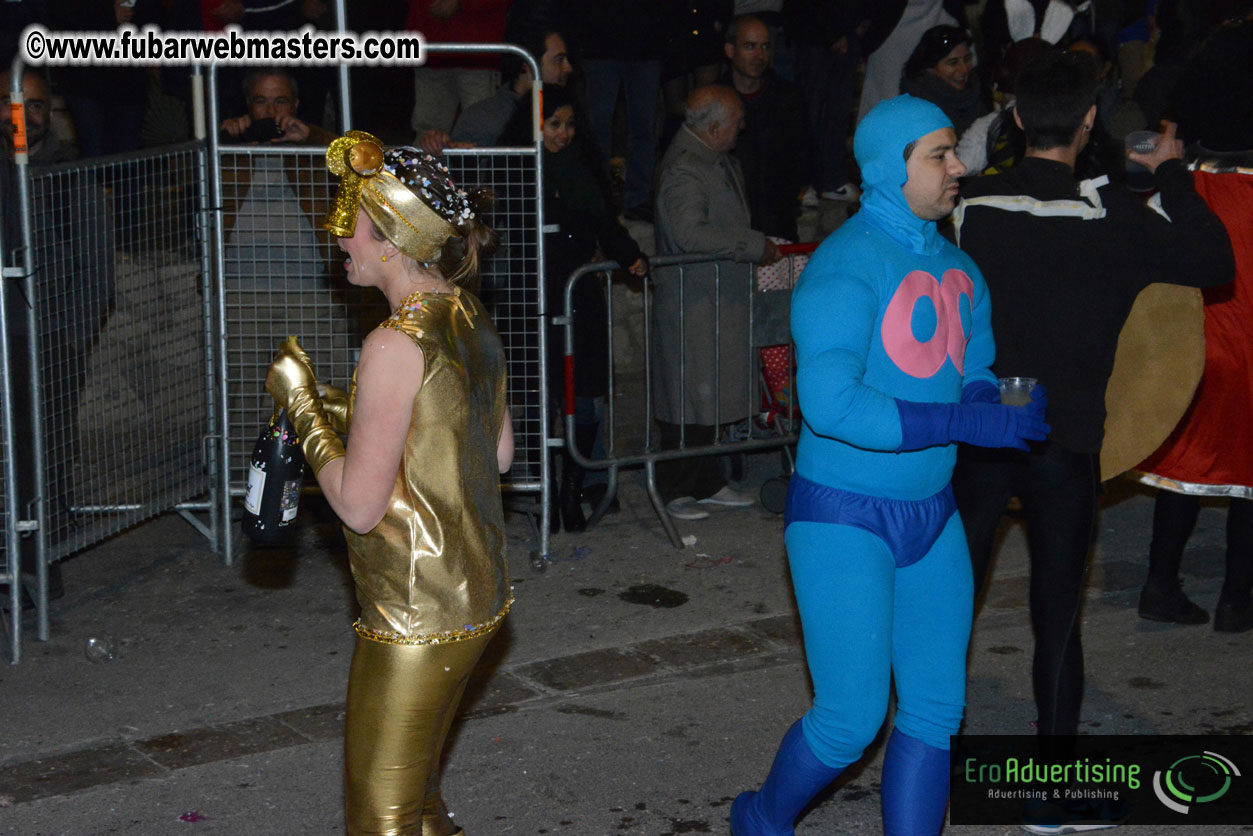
1016	391
1139	178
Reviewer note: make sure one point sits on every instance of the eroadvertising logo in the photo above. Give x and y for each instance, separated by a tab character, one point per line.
1093	780
1194	779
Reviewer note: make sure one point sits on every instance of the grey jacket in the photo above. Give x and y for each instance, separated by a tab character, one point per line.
702	208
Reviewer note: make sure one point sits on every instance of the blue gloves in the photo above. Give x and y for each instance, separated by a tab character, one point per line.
975	422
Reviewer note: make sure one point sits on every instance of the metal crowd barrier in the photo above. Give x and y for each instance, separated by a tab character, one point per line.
143	389
277	272
112	398
760	424
10	571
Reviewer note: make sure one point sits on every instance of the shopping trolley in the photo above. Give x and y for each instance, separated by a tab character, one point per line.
771	334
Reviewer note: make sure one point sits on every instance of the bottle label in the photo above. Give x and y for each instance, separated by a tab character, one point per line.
256	484
291	498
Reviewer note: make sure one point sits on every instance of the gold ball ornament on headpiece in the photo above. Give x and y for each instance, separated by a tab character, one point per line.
354	157
368	180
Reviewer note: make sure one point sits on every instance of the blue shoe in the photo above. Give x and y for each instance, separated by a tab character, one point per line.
743	816
795	778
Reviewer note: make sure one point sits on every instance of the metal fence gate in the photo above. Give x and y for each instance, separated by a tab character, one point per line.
9	569
282	274
757	308
107	336
277	272
137	332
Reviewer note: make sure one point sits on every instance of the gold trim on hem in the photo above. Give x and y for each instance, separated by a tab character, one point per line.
470	631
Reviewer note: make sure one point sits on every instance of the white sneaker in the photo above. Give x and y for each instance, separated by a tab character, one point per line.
847	192
1073	816
685	508
810	198
729	496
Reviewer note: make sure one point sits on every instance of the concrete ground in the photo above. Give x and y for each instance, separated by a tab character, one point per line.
634	689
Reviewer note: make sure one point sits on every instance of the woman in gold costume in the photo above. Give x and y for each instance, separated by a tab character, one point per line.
417	486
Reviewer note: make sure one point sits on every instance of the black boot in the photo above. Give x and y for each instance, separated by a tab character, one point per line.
571	499
1166	602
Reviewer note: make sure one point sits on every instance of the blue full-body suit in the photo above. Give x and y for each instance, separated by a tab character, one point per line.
888	316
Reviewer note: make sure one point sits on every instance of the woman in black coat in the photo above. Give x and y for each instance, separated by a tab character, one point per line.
587	230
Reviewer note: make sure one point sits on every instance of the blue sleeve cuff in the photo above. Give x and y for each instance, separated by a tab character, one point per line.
924	424
980	391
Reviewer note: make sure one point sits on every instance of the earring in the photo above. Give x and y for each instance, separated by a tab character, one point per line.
383	257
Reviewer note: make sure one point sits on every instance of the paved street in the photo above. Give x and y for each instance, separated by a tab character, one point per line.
635	688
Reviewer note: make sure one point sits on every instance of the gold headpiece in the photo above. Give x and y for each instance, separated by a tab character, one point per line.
371	178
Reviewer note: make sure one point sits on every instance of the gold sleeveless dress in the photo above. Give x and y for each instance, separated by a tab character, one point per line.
433	570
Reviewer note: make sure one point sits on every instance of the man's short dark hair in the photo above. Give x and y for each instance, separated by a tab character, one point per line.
535	41
1054	92
909	149
254	77
733	28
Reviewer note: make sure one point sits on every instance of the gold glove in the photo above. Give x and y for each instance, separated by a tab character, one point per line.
335	404
291	383
334	399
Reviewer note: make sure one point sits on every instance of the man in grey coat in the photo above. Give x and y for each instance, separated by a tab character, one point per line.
702	380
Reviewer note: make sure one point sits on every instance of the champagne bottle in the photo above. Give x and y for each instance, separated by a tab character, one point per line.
275	474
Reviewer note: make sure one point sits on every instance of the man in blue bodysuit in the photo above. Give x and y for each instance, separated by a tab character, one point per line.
894	346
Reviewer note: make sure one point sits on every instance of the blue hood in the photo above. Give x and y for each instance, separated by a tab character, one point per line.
879	146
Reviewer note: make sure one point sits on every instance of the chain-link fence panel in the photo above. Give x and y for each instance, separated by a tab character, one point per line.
121	315
283	274
511	291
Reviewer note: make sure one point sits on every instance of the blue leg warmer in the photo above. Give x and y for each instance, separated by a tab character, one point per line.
795	778
915	787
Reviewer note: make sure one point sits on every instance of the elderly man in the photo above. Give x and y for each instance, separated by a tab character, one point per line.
893	348
773	149
272	95
702	207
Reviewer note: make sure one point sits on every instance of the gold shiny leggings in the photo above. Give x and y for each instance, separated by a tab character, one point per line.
401	702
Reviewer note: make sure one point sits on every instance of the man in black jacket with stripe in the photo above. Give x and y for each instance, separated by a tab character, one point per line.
1064	261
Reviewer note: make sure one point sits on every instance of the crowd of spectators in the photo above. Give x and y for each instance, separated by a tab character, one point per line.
734	117
630	65
640	78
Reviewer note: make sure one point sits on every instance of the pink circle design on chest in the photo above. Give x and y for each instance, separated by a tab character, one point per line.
924	359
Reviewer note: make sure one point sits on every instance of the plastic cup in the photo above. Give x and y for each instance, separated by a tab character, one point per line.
1139	178
1016	391
100	649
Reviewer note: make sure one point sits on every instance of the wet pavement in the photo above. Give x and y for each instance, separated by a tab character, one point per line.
635	688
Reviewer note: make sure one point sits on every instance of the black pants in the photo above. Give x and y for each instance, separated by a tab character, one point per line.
1174	517
696	477
1058	489
829	82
